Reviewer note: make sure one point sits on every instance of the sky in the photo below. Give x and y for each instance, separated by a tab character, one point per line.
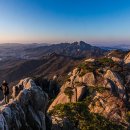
99	21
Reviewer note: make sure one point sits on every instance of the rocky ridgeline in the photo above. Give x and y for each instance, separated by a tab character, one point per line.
108	82
100	99
27	110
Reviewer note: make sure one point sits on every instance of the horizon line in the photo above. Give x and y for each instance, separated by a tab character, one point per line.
88	42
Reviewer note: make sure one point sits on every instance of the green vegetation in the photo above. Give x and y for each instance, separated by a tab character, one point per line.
78	113
98	65
86	67
82	73
82	66
67	78
79	116
69	92
105	61
128	116
93	66
99	89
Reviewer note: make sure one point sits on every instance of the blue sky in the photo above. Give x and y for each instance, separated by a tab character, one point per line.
28	21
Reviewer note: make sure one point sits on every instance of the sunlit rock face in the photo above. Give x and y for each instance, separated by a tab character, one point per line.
116	83
127	58
76	82
116	59
109	106
106	87
27	110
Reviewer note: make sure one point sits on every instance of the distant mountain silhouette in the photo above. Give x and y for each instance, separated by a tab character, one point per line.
75	49
45	60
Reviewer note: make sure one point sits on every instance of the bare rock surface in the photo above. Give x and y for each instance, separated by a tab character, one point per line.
27	110
116	59
127	58
62	98
74	82
109	106
117	83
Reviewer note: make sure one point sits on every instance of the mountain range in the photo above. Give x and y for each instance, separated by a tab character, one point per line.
94	93
18	60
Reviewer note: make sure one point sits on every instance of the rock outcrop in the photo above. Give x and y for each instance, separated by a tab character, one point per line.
62	98
27	110
127	59
104	82
116	83
109	106
116	59
76	82
88	78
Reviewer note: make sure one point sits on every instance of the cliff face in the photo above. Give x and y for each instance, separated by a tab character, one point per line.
27	110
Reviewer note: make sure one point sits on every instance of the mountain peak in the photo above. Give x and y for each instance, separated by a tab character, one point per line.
80	43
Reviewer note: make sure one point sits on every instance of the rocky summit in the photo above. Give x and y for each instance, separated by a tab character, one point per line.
95	95
26	111
64	64
102	85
